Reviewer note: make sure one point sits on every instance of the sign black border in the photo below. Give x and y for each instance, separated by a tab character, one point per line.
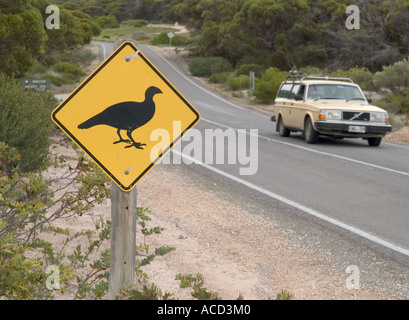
95	72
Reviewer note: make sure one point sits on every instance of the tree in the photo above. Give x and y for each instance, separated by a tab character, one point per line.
372	45
22	36
271	23
76	28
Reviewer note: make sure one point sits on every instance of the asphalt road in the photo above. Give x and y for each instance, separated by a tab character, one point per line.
345	183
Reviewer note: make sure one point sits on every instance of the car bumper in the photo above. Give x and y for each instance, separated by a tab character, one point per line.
343	129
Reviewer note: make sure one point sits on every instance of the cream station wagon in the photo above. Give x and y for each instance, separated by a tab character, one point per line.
334	107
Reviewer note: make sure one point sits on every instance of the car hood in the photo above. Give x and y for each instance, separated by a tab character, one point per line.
345	105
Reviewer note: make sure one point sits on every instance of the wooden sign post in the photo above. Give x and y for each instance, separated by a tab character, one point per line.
123	239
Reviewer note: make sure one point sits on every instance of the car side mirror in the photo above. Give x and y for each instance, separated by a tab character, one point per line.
369	100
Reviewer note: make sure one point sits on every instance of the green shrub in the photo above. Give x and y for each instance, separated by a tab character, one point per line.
205	67
55	80
219	77
266	88
37	67
20	277
178	40
83	56
68	68
240	82
199	67
28	207
107	22
25	122
395	102
246	68
394	78
361	76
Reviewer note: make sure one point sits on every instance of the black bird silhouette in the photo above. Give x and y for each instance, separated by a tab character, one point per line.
128	115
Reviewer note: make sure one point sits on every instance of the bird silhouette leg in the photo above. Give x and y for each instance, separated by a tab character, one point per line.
120	138
137	145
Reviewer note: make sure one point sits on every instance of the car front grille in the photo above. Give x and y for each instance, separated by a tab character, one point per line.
355	116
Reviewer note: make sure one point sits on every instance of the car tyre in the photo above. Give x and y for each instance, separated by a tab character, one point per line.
282	130
310	135
374	142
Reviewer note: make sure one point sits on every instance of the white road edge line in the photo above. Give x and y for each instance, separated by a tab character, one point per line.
315	151
301	207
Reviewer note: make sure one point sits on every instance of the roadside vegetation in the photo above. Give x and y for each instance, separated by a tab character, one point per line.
228	39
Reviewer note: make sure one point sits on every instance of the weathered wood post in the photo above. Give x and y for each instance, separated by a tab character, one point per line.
123	239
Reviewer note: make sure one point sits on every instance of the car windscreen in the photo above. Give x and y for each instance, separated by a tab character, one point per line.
334	91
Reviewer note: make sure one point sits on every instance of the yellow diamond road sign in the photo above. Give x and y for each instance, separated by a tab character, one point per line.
126	115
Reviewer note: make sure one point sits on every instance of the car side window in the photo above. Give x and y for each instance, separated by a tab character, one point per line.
294	91
301	91
297	90
285	90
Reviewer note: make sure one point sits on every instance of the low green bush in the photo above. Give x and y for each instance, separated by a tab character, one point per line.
219	77
205	67
55	80
240	82
246	68
84	56
395	103
266	88
25	122
394	78
68	69
178	40
107	22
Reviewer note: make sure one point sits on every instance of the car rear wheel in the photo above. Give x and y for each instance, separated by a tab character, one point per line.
374	142
282	130
310	135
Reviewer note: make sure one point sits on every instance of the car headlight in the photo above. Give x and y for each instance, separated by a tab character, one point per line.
379	117
330	115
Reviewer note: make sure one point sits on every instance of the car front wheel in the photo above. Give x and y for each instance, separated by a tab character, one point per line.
310	135
282	130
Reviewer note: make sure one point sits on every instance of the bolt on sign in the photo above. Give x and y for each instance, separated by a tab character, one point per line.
113	112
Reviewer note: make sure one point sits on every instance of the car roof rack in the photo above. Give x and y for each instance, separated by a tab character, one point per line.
294	76
311	77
